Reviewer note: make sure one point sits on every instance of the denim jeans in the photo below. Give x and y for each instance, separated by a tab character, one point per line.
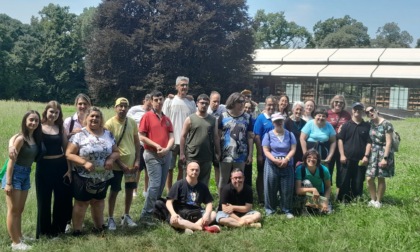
157	168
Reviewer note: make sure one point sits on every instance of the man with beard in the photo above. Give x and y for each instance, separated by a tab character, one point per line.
235	207
125	132
199	139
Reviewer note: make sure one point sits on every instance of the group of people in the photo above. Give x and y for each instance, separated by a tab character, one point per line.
297	146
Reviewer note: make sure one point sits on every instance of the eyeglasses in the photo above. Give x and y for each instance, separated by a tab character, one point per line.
248	96
338	102
370	111
240	101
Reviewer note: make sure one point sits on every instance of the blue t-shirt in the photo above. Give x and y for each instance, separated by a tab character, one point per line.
262	125
279	147
316	134
314	178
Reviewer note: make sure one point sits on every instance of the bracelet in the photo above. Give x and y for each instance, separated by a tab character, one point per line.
287	158
367	156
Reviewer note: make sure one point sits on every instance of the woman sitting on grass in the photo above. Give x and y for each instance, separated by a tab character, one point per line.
313	180
16	181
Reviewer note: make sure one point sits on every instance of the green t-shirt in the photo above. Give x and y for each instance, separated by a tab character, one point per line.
199	142
314	178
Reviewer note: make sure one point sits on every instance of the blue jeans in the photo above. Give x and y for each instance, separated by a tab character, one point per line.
278	180
20	178
157	168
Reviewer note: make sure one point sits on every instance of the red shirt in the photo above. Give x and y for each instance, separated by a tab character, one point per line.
338	119
156	129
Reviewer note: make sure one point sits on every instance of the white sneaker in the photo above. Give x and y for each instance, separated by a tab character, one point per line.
68	229
188	231
289	216
378	204
25	238
111	224
134	194
21	246
127	221
372	203
144	194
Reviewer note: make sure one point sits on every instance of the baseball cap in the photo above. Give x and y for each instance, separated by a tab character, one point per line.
246	92
276	117
358	104
121	100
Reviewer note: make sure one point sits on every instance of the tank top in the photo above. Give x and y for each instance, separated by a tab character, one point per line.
53	144
27	155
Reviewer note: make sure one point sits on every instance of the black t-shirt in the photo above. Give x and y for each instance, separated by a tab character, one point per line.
229	195
355	137
185	195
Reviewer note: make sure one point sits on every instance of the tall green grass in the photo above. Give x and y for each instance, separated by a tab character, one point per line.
353	227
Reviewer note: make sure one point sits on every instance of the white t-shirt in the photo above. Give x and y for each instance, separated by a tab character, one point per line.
178	109
95	150
136	112
218	112
76	125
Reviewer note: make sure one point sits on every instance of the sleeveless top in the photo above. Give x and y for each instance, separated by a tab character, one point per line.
53	144
200	140
27	155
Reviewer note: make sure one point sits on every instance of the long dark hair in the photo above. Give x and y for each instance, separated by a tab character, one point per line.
59	121
37	135
287	108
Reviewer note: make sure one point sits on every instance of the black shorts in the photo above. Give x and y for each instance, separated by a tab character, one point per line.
84	189
142	162
115	182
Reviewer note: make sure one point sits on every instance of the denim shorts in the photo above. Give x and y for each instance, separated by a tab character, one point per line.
21	178
221	214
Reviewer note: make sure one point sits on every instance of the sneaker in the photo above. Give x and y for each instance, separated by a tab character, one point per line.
127	221
255	225
212	229
378	204
25	238
68	229
21	246
135	194
188	231
372	203
111	224
77	233
144	194
289	216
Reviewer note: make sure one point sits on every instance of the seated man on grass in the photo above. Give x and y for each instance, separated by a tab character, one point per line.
184	203
235	208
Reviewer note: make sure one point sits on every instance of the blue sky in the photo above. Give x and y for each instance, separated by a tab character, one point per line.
372	13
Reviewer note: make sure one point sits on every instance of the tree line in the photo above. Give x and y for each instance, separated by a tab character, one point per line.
127	48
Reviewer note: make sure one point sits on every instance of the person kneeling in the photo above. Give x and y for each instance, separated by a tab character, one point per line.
235	208
184	203
313	182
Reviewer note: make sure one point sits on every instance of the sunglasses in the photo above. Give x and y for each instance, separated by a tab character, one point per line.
370	111
339	102
240	101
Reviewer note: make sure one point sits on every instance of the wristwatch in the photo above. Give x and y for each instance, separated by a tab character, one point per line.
385	158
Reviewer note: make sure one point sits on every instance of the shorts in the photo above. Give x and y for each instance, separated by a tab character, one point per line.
175	154
221	214
115	182
85	189
21	178
142	162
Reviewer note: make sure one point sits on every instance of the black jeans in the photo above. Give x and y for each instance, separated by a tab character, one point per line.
352	180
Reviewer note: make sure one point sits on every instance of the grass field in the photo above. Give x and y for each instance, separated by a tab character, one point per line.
353	227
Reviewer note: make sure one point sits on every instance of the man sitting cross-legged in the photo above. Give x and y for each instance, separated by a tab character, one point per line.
184	203
235	208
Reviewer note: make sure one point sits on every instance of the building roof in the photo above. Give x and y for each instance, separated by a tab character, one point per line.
339	63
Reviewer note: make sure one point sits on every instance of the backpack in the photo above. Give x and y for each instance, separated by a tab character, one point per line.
321	172
160	211
396	139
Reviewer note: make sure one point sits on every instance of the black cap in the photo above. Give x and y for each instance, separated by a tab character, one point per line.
358	104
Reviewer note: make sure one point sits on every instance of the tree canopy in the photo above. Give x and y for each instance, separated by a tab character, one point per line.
272	30
142	45
343	32
391	36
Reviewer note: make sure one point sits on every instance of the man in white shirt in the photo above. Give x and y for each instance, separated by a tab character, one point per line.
178	109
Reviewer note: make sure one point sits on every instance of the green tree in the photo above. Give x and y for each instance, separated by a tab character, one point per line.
141	45
418	43
343	32
272	30
391	36
59	58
